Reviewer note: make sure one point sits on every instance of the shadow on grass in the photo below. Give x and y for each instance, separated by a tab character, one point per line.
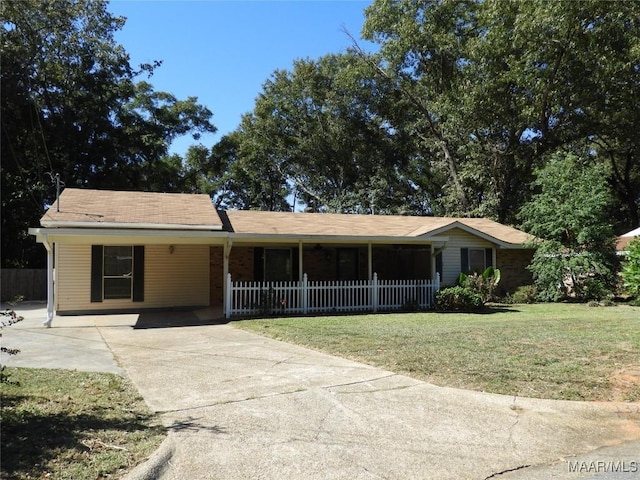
30	439
485	310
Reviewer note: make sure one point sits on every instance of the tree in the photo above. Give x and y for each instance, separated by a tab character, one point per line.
71	104
492	88
319	132
568	213
631	269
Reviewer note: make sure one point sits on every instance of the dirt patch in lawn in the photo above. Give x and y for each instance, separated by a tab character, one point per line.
625	384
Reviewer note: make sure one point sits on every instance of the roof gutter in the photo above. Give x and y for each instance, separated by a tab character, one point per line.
43	233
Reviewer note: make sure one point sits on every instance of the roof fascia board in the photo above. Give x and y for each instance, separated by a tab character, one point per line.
235	237
132	226
101	232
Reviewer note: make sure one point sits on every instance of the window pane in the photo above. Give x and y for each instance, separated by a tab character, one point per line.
118	261
277	265
118	272
117	288
476	260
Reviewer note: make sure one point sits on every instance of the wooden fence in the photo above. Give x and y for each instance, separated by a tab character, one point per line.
27	282
251	298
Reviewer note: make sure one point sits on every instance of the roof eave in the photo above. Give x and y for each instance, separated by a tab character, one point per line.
42	233
310	238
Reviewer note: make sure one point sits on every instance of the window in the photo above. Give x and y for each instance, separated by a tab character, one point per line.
277	265
475	259
118	272
410	262
348	264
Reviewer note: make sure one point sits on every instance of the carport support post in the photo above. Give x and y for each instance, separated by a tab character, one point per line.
227	296
50	284
226	292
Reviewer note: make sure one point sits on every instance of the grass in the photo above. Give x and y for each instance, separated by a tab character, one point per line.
73	425
555	351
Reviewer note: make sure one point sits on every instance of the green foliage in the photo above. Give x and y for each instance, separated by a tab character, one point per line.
7	318
484	284
631	269
320	132
523	294
72	104
575	253
458	299
490	87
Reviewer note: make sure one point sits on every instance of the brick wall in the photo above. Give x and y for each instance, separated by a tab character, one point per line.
240	267
241	264
216	281
513	268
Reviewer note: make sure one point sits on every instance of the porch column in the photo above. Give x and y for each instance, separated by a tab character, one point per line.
300	256
226	252
50	284
370	261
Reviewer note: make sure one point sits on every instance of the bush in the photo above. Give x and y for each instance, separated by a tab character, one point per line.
631	269
523	294
458	299
484	284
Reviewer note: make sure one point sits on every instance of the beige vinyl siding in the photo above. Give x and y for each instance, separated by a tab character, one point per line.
180	278
73	277
451	255
175	279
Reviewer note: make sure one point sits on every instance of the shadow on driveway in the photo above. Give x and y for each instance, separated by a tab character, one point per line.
171	319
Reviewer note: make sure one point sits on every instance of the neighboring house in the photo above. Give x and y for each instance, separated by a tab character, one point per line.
119	251
624	240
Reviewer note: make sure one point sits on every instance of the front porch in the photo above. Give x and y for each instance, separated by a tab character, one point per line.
307	278
304	297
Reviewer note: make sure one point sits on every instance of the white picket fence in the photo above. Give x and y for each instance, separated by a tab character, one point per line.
304	296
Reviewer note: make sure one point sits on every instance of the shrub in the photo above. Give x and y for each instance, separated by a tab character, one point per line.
523	294
631	269
484	285
458	299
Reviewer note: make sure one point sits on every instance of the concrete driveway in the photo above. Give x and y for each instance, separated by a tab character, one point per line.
242	406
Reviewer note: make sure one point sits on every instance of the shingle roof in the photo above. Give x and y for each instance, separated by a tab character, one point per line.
118	209
107	208
328	224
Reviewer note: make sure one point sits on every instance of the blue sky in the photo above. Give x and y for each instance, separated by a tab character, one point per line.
223	51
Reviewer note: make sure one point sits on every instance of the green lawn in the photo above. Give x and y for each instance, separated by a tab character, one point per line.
73	425
557	351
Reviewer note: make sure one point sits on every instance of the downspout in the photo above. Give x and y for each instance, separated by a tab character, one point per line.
50	282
